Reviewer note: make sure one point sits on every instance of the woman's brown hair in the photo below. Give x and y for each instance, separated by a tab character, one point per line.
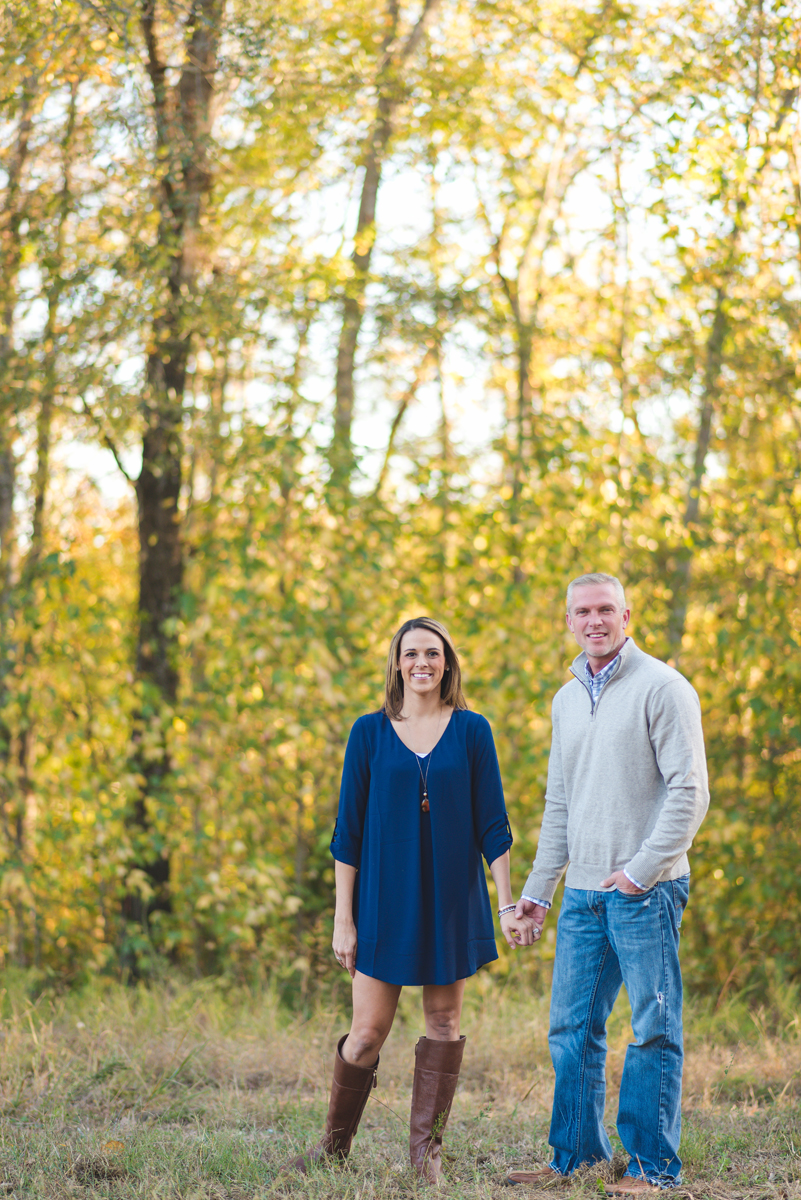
450	689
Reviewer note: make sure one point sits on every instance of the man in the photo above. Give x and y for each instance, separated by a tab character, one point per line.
627	791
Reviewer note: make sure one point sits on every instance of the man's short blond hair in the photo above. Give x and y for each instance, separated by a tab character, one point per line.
597	577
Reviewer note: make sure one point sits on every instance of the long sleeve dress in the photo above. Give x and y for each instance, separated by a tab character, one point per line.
421	906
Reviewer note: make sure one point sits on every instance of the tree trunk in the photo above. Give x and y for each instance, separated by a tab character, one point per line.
524	291
390	92
10	244
8	471
25	598
712	368
182	118
523	431
681	575
10	260
11	400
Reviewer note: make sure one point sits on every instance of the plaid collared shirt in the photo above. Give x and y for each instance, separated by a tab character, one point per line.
597	681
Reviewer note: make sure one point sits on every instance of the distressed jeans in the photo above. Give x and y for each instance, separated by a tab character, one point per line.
605	939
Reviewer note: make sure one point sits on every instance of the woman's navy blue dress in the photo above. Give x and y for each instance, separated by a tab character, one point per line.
421	906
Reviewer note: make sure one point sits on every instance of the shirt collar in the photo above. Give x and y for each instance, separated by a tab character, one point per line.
600	677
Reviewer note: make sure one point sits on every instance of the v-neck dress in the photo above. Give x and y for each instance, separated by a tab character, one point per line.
421	905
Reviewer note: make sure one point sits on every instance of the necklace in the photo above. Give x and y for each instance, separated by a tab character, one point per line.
424	778
424	805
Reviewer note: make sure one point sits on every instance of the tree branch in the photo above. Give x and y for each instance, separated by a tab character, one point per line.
404	402
105	438
413	40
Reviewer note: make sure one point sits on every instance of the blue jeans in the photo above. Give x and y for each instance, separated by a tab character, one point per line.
605	939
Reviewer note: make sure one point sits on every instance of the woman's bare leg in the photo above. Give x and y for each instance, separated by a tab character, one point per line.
442	1009
374	1005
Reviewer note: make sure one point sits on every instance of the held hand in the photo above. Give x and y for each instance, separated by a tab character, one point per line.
344	945
621	881
535	913
518	932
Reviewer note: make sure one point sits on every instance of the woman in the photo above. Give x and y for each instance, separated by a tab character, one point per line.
420	802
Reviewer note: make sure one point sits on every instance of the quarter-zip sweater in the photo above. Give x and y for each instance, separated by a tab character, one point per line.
627	780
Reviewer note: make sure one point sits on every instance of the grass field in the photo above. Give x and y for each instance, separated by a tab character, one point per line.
202	1090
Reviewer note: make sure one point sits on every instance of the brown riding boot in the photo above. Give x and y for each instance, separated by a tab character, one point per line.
436	1074
350	1089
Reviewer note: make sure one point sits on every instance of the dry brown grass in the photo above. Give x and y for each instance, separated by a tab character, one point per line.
200	1091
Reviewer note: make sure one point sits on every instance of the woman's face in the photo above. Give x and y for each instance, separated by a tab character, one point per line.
422	661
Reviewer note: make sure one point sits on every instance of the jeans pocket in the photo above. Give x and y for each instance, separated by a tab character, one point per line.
637	895
681	894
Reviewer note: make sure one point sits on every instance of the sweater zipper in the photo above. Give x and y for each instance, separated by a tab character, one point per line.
588	690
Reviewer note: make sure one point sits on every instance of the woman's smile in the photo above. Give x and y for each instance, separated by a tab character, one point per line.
422	661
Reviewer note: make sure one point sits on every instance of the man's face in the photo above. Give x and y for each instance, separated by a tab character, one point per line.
596	620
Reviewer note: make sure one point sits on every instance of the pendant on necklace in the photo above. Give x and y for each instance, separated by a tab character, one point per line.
424	805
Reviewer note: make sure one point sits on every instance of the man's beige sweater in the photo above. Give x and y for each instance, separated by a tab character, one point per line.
627	780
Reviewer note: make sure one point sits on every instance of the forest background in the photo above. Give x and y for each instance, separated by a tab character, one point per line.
319	315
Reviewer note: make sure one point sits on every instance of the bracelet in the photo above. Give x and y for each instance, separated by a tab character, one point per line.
509	908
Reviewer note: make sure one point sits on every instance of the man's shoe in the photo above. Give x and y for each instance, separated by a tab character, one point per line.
544	1177
631	1185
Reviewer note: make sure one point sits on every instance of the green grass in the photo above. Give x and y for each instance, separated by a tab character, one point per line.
202	1090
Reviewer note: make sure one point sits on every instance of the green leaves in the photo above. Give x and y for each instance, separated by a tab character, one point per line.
568	200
